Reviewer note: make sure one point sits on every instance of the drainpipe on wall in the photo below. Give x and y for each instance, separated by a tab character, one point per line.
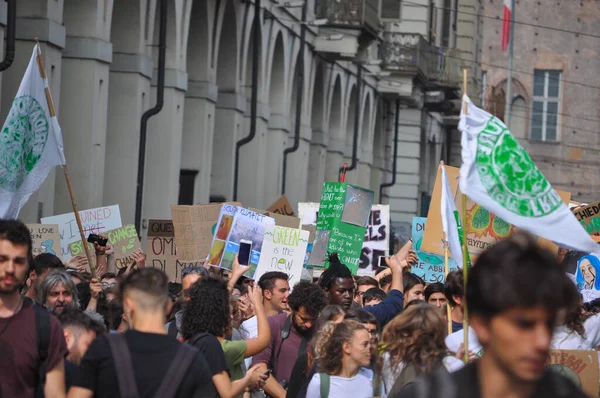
11	22
160	96
356	123
395	159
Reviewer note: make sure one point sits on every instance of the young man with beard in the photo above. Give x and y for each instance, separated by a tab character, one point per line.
514	292
289	336
21	366
80	330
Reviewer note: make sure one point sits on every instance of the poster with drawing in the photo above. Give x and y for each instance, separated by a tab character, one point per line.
377	240
579	366
224	223
94	221
429	267
124	241
45	239
283	250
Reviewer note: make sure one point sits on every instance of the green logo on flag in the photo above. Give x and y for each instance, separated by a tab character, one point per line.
509	175
22	141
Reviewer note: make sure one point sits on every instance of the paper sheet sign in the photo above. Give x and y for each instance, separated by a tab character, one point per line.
161	250
283	250
45	239
377	240
430	267
579	366
124	240
94	221
282	206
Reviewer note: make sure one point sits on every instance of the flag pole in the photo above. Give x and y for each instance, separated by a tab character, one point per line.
465	250
509	88
446	271
64	166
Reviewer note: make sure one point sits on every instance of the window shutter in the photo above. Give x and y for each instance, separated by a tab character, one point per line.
390	10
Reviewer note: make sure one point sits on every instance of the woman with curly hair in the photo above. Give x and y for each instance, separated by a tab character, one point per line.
344	352
206	324
413	344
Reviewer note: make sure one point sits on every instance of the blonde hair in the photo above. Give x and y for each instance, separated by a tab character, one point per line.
417	335
330	342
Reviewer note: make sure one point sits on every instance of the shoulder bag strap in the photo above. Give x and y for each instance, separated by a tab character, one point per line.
376	384
176	372
123	365
42	325
284	334
325	384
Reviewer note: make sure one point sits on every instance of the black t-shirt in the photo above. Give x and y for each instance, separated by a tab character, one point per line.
151	356
210	348
552	385
71	372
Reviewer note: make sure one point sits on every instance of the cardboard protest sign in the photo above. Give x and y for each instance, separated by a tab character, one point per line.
280	219
94	221
589	217
579	366
282	206
236	223
45	239
483	229
341	225
124	240
429	267
283	250
377	240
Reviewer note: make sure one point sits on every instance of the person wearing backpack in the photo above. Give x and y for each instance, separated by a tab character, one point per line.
143	361
344	352
413	345
513	295
32	342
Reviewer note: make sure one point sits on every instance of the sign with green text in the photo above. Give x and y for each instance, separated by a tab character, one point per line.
341	224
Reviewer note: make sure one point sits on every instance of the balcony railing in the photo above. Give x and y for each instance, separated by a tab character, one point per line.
408	53
449	67
352	14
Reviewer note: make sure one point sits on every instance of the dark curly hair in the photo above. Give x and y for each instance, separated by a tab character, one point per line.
336	270
208	310
309	296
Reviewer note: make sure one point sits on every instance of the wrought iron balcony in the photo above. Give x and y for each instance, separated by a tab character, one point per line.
408	53
350	14
449	68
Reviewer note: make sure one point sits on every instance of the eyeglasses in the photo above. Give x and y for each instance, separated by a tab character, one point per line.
194	271
107	285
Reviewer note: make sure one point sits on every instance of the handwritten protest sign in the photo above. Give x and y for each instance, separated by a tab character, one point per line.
282	206
308	213
341	225
589	217
483	229
124	240
161	251
45	239
579	366
377	240
283	250
430	267
236	223
94	221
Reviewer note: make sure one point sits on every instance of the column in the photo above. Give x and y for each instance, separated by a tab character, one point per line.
44	21
335	158
84	102
278	138
129	98
198	129
299	169
317	165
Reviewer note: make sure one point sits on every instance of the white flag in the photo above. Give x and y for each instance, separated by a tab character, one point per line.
499	175
30	142
451	221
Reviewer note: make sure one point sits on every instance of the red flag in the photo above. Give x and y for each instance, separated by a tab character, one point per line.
506	24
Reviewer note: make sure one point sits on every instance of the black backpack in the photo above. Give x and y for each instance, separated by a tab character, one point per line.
125	376
42	326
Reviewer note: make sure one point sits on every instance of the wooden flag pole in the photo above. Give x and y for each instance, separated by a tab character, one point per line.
64	166
464	246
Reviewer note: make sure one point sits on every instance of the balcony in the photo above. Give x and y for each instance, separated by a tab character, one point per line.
362	15
449	68
409	54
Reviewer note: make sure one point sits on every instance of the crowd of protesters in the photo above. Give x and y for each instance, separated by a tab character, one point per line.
133	333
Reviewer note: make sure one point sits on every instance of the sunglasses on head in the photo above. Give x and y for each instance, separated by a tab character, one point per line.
194	270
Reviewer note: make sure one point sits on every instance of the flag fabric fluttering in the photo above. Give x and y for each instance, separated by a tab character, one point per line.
451	222
30	142
506	18
498	174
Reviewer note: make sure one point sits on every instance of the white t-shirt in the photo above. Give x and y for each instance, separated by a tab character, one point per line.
454	340
249	330
390	374
359	386
564	339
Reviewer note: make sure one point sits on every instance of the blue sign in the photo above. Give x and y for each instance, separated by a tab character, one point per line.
430	267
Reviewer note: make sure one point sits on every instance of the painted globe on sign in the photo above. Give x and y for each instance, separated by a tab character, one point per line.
566	372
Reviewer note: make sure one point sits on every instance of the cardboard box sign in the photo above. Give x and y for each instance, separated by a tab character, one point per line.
341	225
579	366
45	239
483	229
429	267
589	217
282	206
